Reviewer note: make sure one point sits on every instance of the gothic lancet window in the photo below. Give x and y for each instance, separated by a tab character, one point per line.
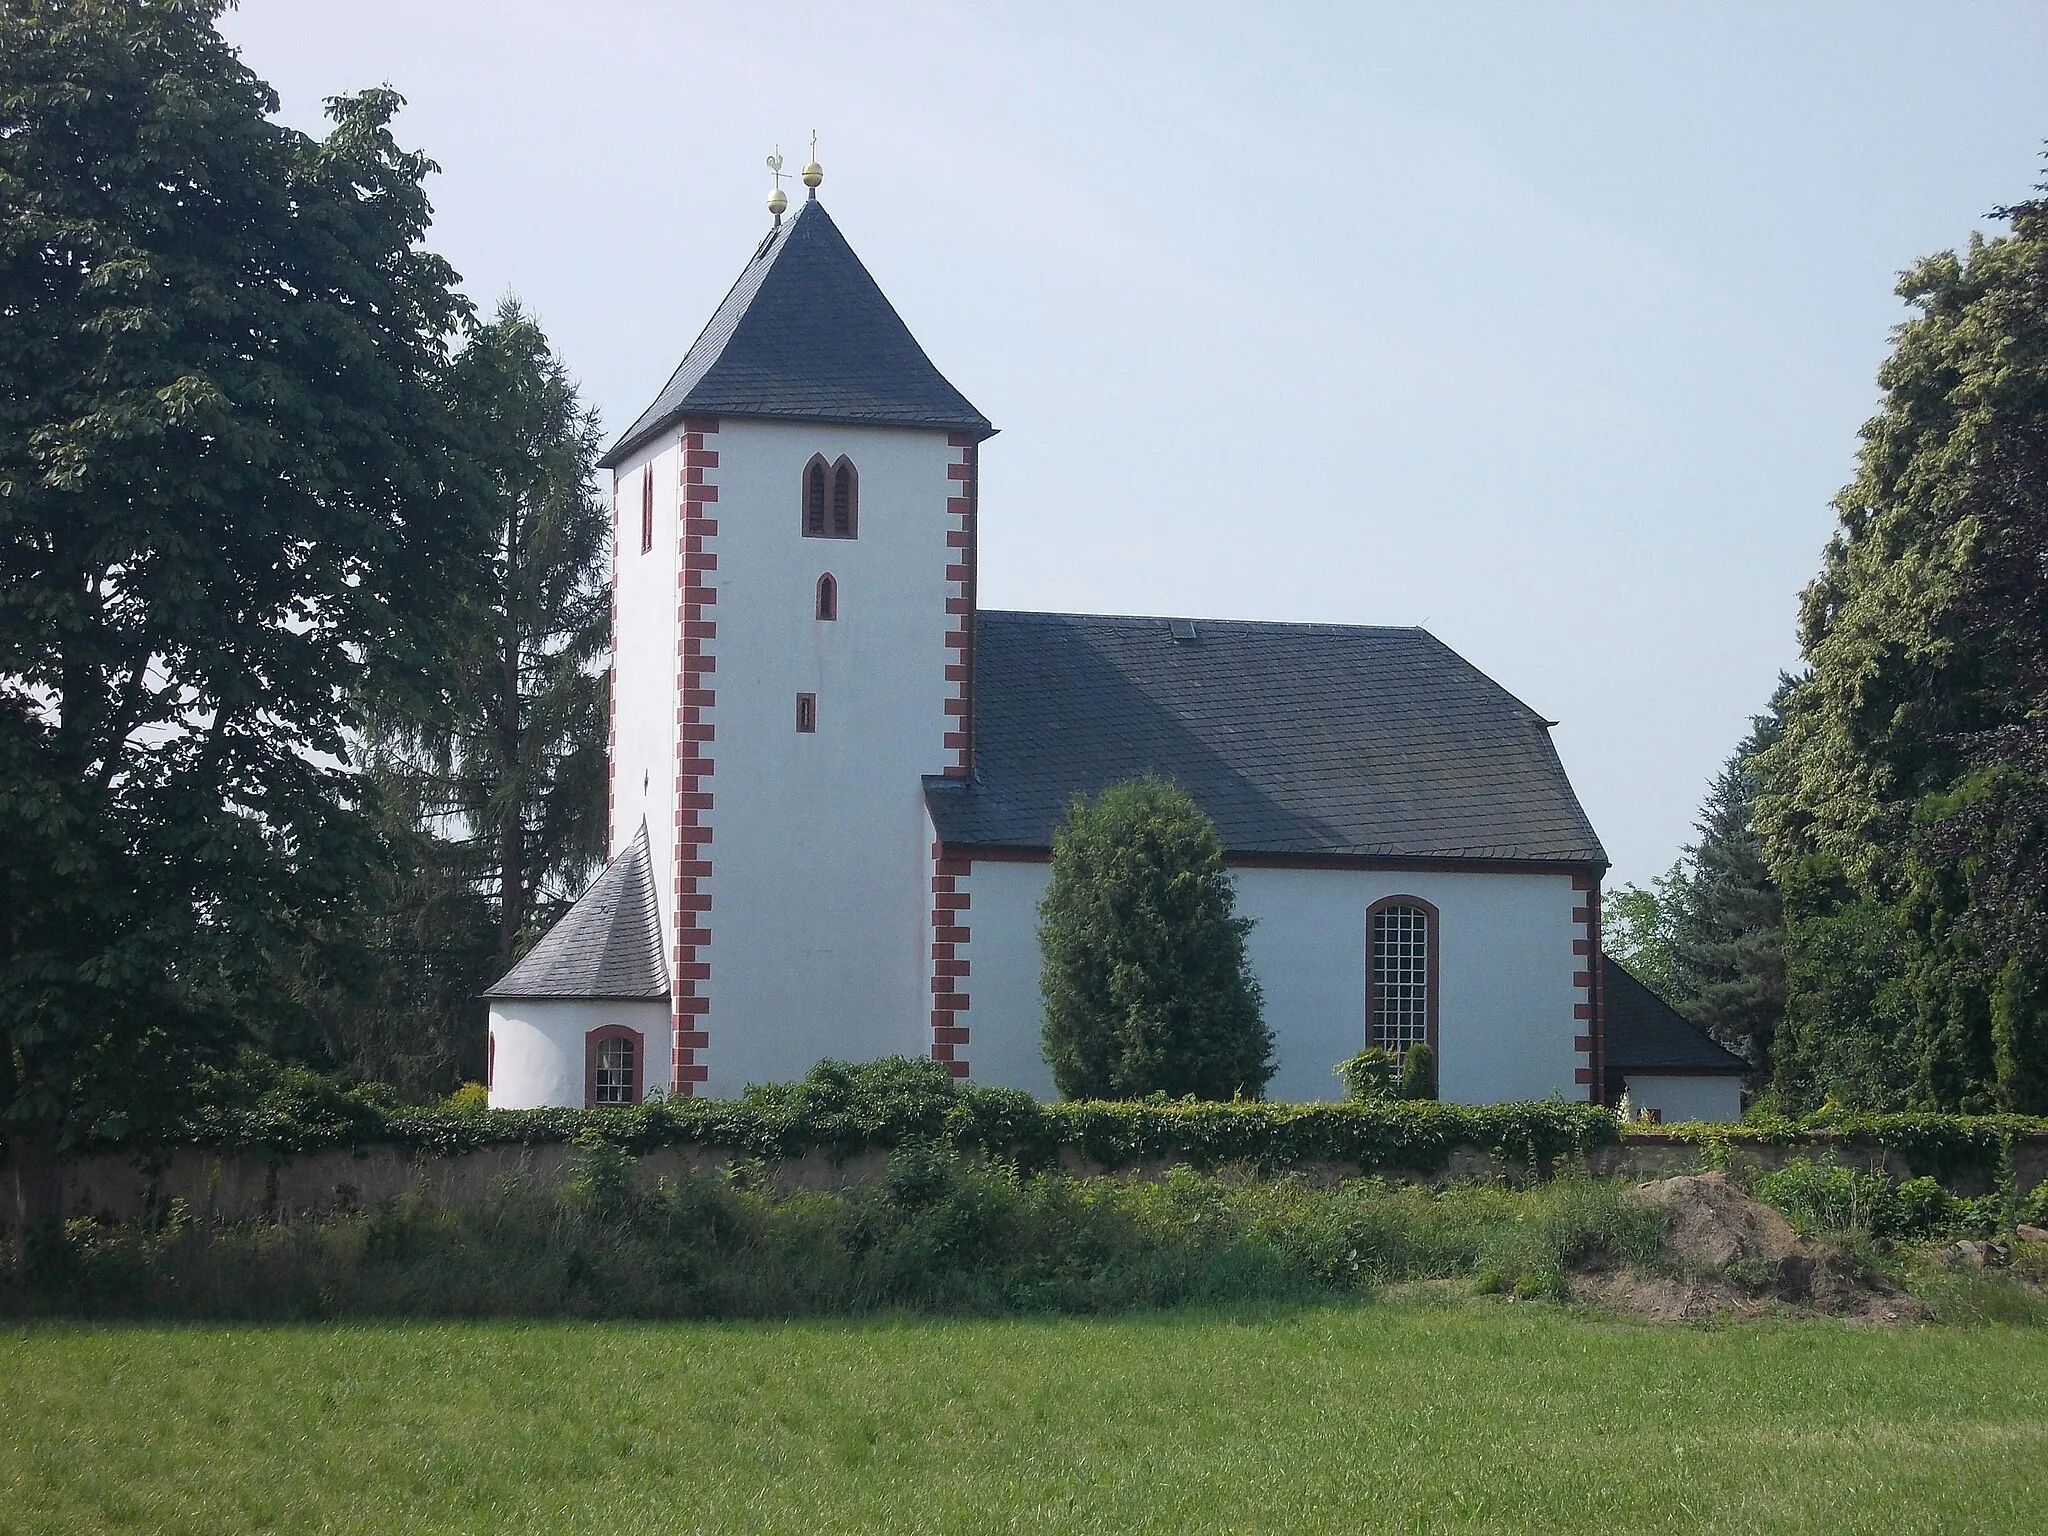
828	597
831	501
1400	974
845	500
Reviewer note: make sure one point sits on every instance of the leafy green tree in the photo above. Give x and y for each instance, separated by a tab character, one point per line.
1915	753
1636	928
230	506
1146	983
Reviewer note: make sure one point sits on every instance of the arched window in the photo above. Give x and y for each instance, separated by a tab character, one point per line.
828	597
815	477
1400	974
612	1066
831	499
845	499
647	509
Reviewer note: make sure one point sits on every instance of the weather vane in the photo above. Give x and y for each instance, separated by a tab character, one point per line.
776	201
813	172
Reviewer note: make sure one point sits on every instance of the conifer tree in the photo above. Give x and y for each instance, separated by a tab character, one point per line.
1727	928
1146	983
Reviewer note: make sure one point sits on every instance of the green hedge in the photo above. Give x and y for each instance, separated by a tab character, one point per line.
846	1109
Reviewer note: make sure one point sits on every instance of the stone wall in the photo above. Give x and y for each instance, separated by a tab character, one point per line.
250	1186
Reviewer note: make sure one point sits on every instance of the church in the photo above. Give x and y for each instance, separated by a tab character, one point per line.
835	776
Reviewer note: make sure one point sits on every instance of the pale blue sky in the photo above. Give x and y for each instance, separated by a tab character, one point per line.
1549	327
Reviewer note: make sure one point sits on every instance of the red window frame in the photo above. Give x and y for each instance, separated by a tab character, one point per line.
597	1037
1433	939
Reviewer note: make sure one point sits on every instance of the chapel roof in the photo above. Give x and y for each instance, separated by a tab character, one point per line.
806	335
1298	740
1646	1034
608	945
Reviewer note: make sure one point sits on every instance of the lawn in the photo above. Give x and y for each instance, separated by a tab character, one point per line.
1378	1417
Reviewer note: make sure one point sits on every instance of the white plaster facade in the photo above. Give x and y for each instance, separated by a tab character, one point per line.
1506	1026
820	854
1689	1096
538	1047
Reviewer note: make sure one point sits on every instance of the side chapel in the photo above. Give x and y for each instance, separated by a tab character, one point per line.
835	776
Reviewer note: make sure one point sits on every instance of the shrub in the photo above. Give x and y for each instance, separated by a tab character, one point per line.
1146	982
1369	1076
1418	1072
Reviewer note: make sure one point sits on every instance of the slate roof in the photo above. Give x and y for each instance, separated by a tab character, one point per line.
1297	739
608	945
1647	1034
807	335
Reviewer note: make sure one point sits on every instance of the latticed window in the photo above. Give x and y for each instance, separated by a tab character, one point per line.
1401	976
617	1071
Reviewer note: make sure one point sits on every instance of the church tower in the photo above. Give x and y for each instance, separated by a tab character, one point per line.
792	650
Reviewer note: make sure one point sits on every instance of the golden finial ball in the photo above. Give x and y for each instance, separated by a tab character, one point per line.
813	174
777	202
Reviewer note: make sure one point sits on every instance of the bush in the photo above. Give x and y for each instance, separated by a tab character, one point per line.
937	1233
1146	982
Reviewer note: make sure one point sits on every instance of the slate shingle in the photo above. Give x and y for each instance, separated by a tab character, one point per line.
608	945
1302	739
1646	1034
806	335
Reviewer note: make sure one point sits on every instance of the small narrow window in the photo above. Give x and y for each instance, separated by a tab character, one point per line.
647	509
806	713
844	500
1400	974
814	499
828	597
612	1066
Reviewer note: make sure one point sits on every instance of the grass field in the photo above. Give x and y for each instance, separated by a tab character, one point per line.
1384	1417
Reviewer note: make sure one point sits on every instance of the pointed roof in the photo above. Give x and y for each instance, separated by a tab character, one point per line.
606	946
807	335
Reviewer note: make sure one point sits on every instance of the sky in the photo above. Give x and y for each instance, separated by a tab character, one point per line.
1548	328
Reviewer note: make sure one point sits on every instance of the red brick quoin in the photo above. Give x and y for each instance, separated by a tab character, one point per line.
694	764
949	967
1586	982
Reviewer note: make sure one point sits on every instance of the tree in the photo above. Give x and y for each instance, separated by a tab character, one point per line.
516	771
1636	928
230	507
1146	984
1914	757
1727	928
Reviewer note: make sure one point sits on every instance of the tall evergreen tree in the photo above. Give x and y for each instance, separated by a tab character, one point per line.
1727	961
230	507
513	776
1146	983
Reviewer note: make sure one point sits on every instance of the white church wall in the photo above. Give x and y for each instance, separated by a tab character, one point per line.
1686	1096
537	1051
820	882
1505	965
1003	1021
644	662
1504	971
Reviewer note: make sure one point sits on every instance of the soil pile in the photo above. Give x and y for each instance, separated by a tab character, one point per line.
1728	1254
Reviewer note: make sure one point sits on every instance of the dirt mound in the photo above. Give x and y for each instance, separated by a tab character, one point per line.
1731	1255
